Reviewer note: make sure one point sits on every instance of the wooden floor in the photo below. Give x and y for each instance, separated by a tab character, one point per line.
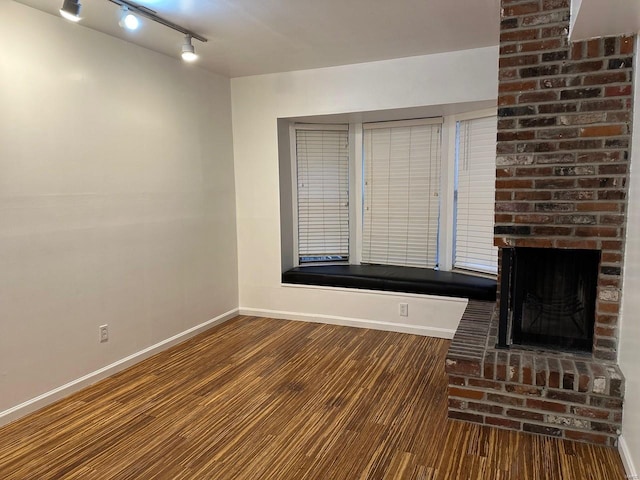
262	399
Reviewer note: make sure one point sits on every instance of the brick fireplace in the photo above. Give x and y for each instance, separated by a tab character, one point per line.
564	130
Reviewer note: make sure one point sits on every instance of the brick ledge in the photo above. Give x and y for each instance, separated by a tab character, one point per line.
550	393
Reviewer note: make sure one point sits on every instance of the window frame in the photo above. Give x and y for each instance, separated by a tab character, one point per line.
448	204
430	122
461	118
293	127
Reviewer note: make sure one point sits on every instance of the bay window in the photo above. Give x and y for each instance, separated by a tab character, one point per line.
412	193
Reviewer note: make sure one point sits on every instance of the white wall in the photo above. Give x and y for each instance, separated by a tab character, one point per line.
117	202
258	102
629	358
575	11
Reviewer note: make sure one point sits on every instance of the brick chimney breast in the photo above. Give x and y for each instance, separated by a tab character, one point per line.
564	130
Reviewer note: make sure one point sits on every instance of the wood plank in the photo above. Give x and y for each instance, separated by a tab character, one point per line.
273	399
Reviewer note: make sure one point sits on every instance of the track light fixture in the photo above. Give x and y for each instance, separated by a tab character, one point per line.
188	52
133	10
71	10
128	20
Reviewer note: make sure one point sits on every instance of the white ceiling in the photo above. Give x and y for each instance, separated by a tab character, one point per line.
249	37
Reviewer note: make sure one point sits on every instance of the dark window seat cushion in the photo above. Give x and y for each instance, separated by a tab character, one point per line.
395	279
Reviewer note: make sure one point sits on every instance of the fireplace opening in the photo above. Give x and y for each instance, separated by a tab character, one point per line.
553	296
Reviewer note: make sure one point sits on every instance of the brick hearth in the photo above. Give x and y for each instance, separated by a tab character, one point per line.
564	130
562	395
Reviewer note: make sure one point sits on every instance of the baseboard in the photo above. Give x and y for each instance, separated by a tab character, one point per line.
67	389
352	322
627	461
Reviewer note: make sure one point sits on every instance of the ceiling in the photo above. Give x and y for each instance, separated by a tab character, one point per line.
249	37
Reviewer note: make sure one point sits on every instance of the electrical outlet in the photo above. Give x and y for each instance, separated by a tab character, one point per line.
104	333
403	309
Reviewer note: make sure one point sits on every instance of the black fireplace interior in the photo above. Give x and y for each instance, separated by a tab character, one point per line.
553	296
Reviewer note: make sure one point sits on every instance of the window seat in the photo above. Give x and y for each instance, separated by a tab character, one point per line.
395	279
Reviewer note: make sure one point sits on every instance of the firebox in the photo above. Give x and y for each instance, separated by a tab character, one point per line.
551	298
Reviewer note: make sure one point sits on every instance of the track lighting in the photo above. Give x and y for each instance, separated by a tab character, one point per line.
188	52
128	20
71	10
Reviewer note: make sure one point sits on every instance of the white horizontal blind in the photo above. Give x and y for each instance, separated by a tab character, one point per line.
475	193
322	159
401	194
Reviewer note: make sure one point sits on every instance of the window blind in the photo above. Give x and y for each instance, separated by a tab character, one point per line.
475	195
322	159
401	193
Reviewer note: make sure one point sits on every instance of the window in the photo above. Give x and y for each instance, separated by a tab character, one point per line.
401	193
322	160
475	195
415	193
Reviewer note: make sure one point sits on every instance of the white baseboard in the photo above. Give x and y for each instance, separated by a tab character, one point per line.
627	461
67	389
352	322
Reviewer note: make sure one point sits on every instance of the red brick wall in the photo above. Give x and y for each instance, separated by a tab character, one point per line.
551	393
564	131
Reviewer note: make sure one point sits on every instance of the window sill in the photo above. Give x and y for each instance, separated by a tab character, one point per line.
395	279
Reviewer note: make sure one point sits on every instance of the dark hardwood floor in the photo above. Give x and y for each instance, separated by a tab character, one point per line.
260	399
